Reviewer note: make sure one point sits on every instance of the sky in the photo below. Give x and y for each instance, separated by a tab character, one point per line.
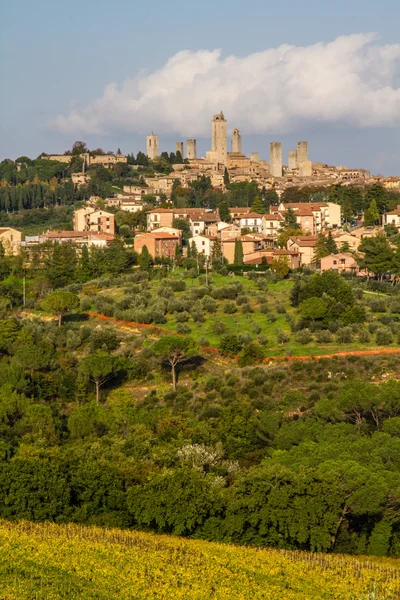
108	73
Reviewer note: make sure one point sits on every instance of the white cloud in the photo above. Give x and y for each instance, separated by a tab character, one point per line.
350	80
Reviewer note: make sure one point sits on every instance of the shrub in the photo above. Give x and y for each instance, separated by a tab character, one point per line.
182	317
383	336
280	309
178	285
219	327
264	308
183	328
344	335
378	305
229	308
242	299
282	336
209	304
303	337
244	338
364	336
103	339
230	344
203	341
256	328
246	309
198	316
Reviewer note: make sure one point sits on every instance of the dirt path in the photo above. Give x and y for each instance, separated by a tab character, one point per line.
215	351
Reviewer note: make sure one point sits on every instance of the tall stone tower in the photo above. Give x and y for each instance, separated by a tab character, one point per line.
275	159
218	134
292	160
179	148
302	152
152	146
236	141
191	149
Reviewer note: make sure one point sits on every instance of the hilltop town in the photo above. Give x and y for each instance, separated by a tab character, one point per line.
225	205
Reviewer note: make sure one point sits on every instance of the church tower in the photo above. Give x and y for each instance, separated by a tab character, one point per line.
152	146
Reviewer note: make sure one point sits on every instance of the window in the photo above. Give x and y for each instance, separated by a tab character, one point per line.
203	243
335	262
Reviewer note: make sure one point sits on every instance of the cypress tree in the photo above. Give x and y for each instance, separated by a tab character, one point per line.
238	257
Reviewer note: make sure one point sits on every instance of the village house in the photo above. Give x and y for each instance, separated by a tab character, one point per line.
80	238
257	257
159	244
204	243
199	223
91	219
251	221
271	224
251	243
341	262
392	218
305	245
344	237
10	239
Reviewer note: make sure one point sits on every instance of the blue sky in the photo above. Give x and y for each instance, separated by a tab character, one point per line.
343	96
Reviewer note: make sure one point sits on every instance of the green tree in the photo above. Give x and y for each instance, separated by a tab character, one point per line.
174	351
145	259
380	195
226	177
289	220
61	265
216	252
224	213
184	226
258	206
321	248
377	255
238	256
313	308
371	215
331	244
60	303
100	368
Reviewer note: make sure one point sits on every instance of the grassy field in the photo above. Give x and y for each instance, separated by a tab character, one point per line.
50	562
257	324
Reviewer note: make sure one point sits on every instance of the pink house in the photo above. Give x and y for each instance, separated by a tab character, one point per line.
342	262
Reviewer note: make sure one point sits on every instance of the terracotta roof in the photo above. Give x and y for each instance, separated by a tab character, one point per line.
396	211
274	217
305	242
162	235
77	234
251	215
309	205
161	210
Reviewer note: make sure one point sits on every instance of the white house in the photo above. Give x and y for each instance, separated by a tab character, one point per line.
204	243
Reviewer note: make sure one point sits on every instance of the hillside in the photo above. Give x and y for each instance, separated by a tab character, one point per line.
48	562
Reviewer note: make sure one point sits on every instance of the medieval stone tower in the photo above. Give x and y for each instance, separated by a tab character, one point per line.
292	160
236	141
218	134
302	152
191	149
275	159
179	148
152	146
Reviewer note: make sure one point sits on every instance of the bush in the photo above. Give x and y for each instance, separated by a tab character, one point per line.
230	344
178	285
246	309
264	308
209	304
183	328
303	337
203	341
383	336
282	337
219	327
182	317
324	336
198	316
364	336
103	339
256	328
229	308
344	335
378	305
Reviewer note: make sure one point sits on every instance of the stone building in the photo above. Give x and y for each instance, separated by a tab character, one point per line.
218	138
10	238
302	152
90	219
152	146
292	164
191	150
275	160
179	148
159	244
236	141
255	157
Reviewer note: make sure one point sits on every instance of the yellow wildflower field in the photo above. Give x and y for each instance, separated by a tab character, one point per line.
49	562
